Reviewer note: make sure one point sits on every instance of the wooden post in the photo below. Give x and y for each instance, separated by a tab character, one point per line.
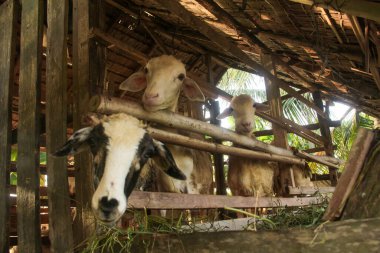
326	134
363	201
8	20
89	78
60	227
220	180
285	177
357	157
28	180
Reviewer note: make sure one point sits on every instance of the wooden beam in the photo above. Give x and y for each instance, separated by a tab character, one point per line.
354	164
303	190
327	17
325	132
84	223
361	8
60	228
159	43
28	180
331	123
8	20
317	149
163	200
280	135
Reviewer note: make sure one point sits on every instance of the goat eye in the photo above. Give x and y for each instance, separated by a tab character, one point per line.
181	77
146	70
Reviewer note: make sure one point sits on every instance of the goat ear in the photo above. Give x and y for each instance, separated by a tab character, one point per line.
192	90
165	160
227	112
135	82
76	143
261	107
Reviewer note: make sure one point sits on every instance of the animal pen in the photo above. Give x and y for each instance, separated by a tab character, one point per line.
64	59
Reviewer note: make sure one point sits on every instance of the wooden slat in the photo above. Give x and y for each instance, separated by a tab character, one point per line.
8	18
60	228
28	225
351	172
302	190
163	200
84	220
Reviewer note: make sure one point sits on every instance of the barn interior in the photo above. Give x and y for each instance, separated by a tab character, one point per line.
59	55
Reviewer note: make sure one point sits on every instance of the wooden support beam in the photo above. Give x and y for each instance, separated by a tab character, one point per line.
361	8
327	17
163	200
159	43
8	19
331	123
310	190
317	149
354	164
325	132
28	180
60	228
103	104
84	223
280	135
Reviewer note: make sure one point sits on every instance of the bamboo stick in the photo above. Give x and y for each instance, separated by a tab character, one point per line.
185	141
103	104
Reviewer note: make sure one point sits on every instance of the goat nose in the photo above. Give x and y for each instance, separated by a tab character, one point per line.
247	124
151	95
107	206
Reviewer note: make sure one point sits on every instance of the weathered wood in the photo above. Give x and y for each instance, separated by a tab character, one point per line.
8	19
216	148
280	135
360	8
331	123
84	220
364	201
302	190
28	222
345	236
115	105
164	200
318	149
350	174
60	228
43	170
325	132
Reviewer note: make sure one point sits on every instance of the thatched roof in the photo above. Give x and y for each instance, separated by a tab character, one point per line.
314	48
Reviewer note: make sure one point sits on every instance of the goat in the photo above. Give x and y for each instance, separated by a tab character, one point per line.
120	147
247	177
163	79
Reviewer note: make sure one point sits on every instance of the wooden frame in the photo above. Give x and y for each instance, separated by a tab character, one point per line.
8	20
60	228
28	180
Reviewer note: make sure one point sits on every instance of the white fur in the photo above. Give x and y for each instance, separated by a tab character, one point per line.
162	80
247	177
124	134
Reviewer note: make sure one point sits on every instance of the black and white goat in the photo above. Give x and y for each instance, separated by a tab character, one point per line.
120	147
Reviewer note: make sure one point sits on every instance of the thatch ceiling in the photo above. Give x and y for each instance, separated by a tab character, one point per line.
314	48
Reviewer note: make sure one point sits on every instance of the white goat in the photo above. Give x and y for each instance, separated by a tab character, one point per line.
163	79
120	148
247	177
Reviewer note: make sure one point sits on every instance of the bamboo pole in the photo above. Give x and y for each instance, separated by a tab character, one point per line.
185	141
103	104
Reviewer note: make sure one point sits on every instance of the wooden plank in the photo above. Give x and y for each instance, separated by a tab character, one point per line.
303	190
325	132
60	228
280	135
84	221
28	225
350	173
163	200
8	20
360	8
